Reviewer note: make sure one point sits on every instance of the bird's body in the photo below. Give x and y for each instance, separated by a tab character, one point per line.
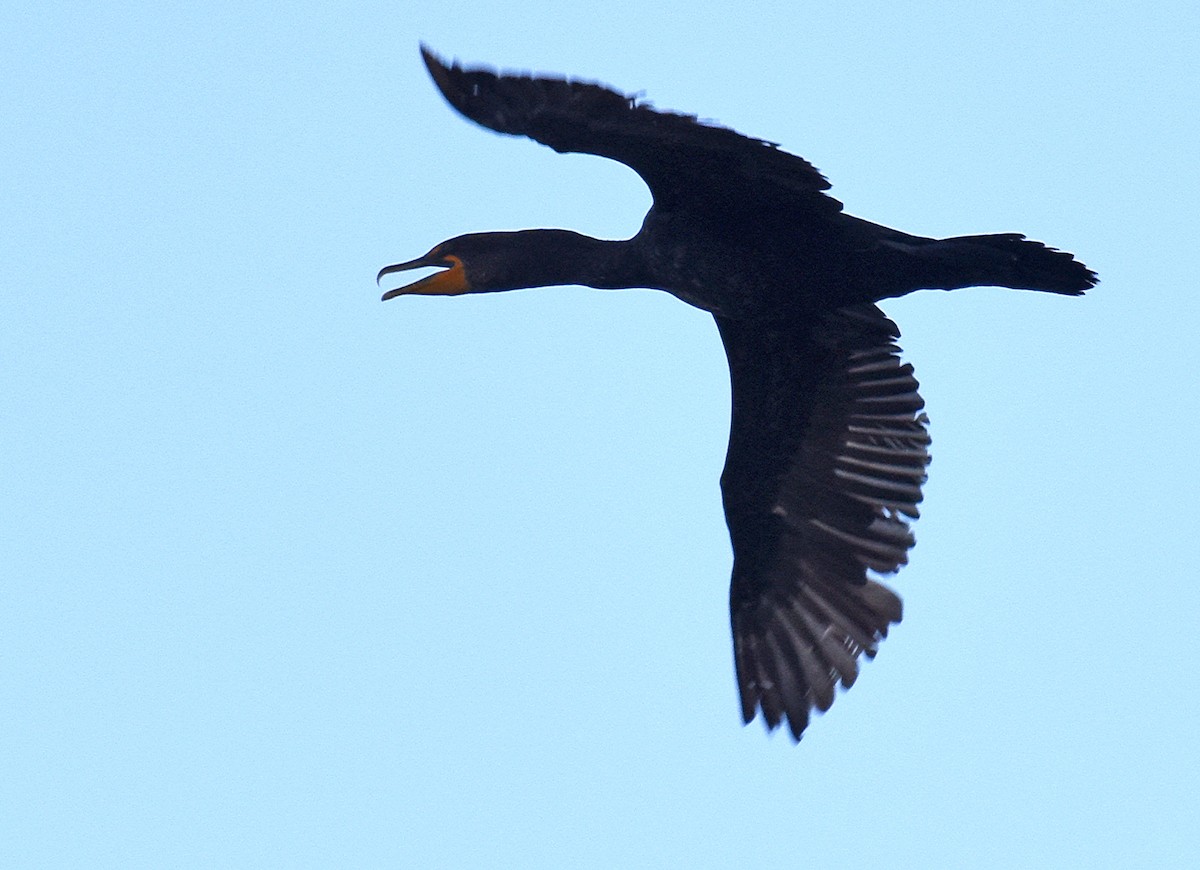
828	445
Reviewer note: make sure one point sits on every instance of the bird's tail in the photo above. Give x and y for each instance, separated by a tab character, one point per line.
1003	260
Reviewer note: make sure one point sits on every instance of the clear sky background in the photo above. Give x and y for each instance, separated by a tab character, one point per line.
292	578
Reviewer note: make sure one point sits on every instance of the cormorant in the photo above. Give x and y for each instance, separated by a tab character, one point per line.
828	442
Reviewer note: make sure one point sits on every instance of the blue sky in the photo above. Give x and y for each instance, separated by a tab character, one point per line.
292	578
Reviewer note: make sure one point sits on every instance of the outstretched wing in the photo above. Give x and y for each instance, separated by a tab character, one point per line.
827	454
678	156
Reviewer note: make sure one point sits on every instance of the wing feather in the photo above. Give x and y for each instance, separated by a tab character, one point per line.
827	455
679	156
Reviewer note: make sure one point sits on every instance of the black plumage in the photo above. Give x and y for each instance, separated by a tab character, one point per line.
828	442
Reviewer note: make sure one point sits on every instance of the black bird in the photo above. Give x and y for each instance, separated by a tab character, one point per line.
828	442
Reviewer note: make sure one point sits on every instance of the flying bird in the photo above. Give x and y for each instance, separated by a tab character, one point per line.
828	442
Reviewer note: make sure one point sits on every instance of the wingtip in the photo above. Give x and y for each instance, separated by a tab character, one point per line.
431	59
446	76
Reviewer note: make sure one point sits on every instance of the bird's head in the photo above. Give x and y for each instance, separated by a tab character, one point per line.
474	263
488	262
450	280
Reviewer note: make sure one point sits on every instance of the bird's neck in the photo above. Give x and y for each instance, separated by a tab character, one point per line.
565	257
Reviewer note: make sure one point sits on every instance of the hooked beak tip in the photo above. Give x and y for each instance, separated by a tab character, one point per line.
388	270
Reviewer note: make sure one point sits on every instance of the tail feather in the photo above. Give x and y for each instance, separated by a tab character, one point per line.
1005	260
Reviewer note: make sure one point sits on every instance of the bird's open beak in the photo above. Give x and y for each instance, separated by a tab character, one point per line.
451	281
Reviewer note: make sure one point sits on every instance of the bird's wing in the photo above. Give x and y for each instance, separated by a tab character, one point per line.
827	454
678	156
